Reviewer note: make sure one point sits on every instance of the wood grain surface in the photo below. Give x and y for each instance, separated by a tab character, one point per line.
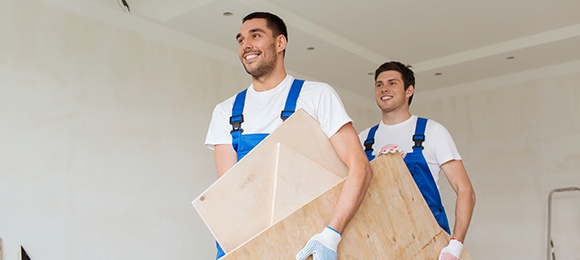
239	204
297	181
394	222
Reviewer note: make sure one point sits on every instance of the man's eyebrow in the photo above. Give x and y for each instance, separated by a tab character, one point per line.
251	31
257	30
388	80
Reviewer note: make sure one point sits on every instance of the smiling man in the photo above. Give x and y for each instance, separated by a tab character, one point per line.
244	120
428	146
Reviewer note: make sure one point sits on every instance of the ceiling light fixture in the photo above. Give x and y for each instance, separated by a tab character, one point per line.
511	57
371	73
438	74
123	4
310	48
228	13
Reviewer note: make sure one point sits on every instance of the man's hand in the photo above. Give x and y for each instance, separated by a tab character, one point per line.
392	148
321	246
452	251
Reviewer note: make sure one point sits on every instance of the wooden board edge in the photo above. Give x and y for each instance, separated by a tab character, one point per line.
205	222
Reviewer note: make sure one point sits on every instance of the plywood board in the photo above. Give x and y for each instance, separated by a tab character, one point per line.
393	222
239	204
297	181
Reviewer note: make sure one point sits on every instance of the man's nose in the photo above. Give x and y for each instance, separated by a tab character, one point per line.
246	45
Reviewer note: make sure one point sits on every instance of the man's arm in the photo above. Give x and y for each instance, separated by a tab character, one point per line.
459	181
348	147
225	157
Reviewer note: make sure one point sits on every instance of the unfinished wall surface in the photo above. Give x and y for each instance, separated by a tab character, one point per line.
102	142
519	137
102	129
102	138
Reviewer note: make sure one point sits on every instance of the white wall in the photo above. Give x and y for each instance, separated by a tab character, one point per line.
519	136
102	133
102	139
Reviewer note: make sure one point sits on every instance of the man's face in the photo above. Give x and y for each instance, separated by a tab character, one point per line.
257	49
390	91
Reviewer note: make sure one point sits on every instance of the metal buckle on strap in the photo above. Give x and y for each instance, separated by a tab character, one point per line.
419	139
285	114
369	144
236	122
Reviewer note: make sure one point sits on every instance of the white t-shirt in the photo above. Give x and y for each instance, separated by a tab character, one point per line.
262	110
439	147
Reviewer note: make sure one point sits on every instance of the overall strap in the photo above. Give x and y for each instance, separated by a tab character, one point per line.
369	142
419	136
237	118
290	105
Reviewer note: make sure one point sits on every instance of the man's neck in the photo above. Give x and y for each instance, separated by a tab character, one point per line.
269	81
396	117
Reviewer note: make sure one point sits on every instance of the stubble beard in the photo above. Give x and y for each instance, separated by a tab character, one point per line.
266	68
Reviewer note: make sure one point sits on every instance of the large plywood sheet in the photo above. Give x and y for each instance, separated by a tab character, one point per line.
239	204
297	181
393	222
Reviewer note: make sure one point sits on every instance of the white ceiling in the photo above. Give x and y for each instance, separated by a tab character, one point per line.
463	40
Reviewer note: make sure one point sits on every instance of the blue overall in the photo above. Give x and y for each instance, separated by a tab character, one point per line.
244	143
419	169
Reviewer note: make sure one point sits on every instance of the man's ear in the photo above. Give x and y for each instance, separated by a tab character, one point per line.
281	42
410	91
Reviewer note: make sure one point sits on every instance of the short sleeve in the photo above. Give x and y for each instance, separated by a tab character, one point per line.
219	127
444	146
331	112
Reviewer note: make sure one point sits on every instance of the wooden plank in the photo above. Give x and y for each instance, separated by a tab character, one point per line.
393	222
297	181
239	204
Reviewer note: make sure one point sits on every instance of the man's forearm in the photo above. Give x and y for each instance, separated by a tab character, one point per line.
348	148
351	197
463	212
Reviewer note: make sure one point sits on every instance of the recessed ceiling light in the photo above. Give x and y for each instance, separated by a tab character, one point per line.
310	48
371	73
228	14
438	74
510	57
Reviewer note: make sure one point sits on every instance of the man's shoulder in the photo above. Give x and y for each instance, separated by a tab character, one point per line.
435	128
432	123
314	84
228	103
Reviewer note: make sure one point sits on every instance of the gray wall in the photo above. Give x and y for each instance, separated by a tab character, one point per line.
102	142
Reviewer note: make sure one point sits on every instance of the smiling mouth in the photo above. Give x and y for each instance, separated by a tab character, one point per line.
386	98
250	57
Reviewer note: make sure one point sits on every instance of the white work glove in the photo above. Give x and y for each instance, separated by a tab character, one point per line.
392	148
321	246
452	251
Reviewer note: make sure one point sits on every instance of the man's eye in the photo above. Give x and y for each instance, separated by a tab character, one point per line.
256	35
379	85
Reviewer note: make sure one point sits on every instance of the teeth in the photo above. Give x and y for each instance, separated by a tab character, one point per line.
386	98
249	57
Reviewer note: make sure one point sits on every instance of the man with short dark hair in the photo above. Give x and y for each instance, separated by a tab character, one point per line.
430	150
242	121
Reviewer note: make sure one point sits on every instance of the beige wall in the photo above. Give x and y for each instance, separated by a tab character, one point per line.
102	142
